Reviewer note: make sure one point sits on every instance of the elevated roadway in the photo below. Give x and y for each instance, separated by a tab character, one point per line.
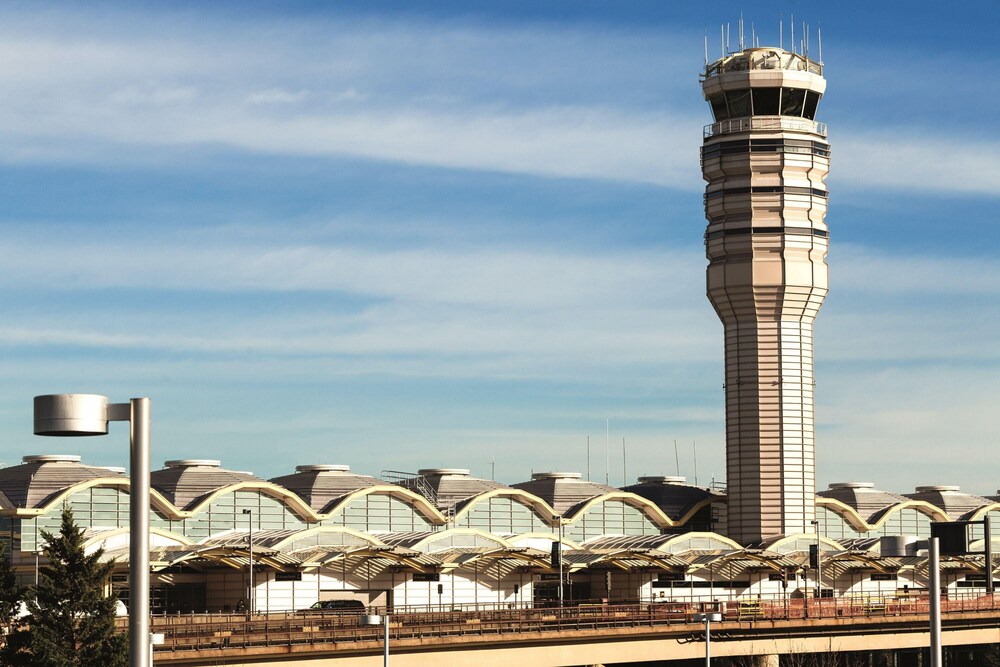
590	635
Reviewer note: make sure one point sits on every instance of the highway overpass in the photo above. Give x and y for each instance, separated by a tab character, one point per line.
587	635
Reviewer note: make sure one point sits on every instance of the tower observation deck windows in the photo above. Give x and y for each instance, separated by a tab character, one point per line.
739	103
765	102
719	108
792	100
812	101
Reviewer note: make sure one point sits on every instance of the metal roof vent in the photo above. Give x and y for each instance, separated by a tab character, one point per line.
51	458
937	487
323	467
662	479
192	463
556	475
851	485
439	472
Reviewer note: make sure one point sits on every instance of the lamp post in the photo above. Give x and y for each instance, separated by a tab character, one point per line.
383	620
561	582
89	414
934	588
819	562
708	618
251	597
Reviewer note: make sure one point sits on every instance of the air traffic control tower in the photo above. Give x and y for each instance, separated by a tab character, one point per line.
765	159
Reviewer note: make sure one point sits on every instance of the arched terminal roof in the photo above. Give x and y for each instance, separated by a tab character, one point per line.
674	496
542	509
955	504
867	501
564	491
800	542
41	477
321	485
184	482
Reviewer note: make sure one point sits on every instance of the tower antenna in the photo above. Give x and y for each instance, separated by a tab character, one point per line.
793	32
781	32
729	33
624	465
694	448
742	43
819	36
677	460
607	451
706	48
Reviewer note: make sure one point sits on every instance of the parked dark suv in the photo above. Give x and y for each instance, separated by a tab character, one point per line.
339	606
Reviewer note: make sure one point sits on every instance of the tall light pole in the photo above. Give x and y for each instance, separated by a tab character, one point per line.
252	596
934	588
556	560
819	562
89	414
375	619
708	618
561	582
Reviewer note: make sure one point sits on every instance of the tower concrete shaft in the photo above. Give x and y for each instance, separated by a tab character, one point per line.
765	160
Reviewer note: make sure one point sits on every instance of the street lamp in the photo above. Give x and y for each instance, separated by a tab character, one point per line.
383	620
934	588
709	618
560	562
89	414
819	562
252	595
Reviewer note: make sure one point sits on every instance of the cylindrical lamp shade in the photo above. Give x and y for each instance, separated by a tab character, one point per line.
71	414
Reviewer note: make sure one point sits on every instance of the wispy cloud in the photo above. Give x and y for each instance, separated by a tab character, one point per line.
407	93
939	417
917	160
519	303
552	101
866	270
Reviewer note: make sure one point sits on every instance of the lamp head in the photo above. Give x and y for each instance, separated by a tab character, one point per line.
71	415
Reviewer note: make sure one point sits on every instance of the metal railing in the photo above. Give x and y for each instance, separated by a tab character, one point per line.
411	481
777	123
243	631
763	59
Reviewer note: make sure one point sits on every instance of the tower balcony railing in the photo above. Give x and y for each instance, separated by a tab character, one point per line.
777	123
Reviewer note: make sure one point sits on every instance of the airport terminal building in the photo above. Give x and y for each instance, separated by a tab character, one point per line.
222	540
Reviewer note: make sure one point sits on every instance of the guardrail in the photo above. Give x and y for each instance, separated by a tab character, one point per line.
232	631
777	123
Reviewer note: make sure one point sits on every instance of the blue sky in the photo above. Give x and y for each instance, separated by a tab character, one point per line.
402	235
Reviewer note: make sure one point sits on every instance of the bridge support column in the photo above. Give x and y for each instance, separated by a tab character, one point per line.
765	661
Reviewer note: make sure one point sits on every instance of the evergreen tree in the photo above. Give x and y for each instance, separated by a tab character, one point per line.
72	621
11	597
